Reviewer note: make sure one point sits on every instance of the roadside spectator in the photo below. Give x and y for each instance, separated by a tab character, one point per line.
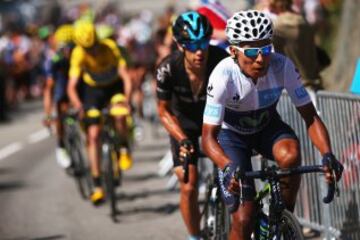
3	107
294	37
138	33
3	78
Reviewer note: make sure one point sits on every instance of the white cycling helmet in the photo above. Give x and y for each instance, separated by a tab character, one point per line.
248	26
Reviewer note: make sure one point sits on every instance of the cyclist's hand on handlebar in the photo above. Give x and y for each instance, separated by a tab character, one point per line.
229	179
80	112
186	149
332	164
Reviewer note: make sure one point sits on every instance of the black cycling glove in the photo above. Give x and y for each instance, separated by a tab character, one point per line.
187	143
330	161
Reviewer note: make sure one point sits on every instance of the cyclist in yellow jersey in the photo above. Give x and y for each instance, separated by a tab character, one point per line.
104	71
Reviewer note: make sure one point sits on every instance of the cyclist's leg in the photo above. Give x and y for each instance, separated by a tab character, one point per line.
121	113
279	142
238	149
137	73
61	105
94	101
93	146
189	205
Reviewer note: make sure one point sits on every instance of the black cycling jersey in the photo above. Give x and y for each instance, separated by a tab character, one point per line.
173	85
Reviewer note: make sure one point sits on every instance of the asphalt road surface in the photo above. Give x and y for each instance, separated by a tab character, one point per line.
38	201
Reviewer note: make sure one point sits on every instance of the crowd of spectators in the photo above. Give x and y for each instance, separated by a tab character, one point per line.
26	49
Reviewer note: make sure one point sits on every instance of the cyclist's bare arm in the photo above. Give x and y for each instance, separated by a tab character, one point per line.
124	75
169	120
48	96
72	93
211	146
317	132
316	128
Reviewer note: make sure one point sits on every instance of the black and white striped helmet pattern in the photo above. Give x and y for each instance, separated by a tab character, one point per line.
248	26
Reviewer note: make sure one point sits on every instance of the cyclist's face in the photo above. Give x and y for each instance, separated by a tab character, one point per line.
253	66
196	59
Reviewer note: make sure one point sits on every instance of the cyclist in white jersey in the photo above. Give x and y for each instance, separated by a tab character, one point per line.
240	116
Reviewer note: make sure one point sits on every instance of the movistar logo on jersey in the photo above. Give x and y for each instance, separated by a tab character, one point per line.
249	122
254	122
193	19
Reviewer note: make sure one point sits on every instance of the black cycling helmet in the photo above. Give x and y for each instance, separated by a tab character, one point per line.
191	26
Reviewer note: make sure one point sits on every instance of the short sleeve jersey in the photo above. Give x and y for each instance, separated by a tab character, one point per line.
98	69
173	85
236	103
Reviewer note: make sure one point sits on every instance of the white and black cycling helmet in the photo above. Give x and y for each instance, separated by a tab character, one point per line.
248	26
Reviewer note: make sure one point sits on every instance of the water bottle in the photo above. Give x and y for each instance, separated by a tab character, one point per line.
262	227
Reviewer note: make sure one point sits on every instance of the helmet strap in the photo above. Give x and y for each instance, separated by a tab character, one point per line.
234	55
235	58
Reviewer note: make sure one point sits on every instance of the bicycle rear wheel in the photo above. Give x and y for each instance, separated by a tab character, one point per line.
289	227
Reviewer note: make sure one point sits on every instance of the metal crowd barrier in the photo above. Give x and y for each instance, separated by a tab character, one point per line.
341	114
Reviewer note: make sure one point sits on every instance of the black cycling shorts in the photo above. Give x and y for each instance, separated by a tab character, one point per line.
98	98
239	148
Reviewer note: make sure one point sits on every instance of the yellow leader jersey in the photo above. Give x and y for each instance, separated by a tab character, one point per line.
100	68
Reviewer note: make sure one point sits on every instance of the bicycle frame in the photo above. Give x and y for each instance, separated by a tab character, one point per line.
276	205
272	176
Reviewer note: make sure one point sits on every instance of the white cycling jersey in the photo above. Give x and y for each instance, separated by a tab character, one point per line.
236	103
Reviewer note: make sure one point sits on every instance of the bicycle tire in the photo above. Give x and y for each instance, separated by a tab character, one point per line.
216	222
81	173
109	158
207	213
289	228
78	167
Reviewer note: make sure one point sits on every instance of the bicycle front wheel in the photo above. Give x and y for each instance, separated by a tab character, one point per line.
216	218
289	227
81	172
110	159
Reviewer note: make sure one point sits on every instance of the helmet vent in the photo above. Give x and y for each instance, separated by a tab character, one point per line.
252	22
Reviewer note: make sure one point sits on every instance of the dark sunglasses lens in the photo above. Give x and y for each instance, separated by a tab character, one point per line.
194	46
190	46
204	45
251	52
266	51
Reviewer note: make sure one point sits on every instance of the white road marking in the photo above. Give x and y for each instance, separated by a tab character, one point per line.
39	136
17	146
10	149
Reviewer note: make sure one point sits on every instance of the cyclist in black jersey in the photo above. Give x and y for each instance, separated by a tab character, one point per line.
181	91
